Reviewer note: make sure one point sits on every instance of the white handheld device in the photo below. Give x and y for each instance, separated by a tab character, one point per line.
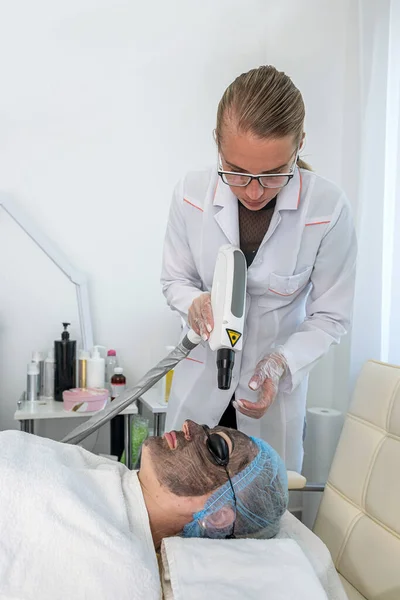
228	301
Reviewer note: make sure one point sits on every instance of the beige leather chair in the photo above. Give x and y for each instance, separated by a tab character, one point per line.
359	516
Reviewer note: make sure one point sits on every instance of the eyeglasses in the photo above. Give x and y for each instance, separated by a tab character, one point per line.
219	451
271	180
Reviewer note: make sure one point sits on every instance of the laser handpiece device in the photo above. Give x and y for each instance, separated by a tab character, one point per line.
228	301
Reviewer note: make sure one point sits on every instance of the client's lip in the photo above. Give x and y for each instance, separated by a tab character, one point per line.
171	439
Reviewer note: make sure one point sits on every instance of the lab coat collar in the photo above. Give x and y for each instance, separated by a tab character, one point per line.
228	219
223	195
289	198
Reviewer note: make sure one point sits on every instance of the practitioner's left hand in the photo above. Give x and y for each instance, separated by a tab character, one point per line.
266	378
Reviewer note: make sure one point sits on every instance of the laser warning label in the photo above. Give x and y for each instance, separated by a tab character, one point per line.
234	336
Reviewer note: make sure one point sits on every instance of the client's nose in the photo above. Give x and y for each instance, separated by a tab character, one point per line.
191	429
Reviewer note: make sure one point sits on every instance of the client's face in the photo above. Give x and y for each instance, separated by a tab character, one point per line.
183	464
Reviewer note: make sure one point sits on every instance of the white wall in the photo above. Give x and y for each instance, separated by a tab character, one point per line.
379	221
104	105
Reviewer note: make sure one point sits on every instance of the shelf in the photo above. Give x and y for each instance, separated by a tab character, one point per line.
151	400
50	409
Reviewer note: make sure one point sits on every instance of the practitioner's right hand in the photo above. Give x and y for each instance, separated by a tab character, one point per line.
200	316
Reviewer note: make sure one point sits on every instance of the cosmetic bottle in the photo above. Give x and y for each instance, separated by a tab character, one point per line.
118	383
83	357
32	382
166	381
65	351
118	386
111	364
95	369
37	357
49	370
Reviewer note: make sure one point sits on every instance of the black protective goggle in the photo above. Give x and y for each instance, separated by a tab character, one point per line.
219	452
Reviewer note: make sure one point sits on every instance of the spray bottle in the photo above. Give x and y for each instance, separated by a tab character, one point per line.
49	371
33	382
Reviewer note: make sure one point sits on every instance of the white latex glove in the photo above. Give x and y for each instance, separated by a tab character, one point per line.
200	316
266	378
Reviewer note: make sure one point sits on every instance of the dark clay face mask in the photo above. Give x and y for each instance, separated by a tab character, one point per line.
188	470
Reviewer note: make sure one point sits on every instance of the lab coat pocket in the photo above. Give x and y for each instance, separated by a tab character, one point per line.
283	289
288	285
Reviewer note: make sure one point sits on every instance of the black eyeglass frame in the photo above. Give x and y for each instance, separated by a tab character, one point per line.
222	173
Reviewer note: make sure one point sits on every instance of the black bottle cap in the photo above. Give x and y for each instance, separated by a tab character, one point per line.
65	333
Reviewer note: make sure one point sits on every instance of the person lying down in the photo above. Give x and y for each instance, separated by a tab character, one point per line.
76	525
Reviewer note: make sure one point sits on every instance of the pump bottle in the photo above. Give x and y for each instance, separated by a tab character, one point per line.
117	425
64	376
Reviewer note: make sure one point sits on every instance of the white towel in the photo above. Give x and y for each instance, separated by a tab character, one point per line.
202	569
316	552
72	525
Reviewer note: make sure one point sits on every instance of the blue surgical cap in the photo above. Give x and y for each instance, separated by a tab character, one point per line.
261	491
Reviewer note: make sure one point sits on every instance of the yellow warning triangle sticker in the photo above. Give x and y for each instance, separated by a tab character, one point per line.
234	336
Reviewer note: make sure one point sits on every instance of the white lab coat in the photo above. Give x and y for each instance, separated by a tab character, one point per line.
299	295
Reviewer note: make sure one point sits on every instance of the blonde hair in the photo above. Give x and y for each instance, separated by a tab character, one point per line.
266	103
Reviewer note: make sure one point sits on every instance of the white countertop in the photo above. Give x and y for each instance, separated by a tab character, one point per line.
151	399
50	409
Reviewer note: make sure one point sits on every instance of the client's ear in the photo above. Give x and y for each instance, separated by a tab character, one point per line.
221	519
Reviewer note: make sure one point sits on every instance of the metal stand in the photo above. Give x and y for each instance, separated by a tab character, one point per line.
128	440
27	425
313	487
158	423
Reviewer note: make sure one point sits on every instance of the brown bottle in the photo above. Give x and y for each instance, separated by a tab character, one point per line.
118	385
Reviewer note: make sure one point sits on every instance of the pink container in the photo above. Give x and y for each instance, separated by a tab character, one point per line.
85	400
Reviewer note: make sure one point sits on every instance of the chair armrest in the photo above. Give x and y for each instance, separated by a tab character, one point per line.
296	481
